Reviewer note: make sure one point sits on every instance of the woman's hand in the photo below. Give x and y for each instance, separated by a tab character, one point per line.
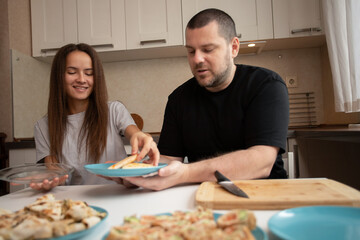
142	144
46	185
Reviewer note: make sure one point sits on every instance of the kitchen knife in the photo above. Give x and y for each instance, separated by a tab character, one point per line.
229	185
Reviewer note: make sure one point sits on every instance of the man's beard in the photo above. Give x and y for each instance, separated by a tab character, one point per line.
218	79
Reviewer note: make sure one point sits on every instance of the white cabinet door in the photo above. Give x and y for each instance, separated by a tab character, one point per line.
101	23
253	18
54	24
155	23
296	18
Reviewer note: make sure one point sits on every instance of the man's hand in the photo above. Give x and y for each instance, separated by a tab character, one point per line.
173	174
255	162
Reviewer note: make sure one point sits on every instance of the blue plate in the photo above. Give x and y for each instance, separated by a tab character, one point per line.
258	233
102	169
83	233
317	222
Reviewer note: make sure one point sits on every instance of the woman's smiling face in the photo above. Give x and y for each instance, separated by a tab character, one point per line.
79	78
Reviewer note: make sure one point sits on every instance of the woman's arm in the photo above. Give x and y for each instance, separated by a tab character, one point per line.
142	144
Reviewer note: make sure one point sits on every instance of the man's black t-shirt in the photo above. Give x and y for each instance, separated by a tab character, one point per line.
252	110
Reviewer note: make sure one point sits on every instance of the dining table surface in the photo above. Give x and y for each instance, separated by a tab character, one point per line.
121	202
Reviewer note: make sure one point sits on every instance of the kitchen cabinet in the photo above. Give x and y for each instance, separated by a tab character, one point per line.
99	23
331	152
297	18
155	23
253	18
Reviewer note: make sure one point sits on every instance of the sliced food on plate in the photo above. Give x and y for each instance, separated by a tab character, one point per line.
137	165
197	224
129	162
48	218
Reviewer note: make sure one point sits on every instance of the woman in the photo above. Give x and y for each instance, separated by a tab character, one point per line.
81	127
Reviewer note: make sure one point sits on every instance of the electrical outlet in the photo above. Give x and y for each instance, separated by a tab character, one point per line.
291	81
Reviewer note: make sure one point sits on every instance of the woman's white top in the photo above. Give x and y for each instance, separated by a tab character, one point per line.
119	120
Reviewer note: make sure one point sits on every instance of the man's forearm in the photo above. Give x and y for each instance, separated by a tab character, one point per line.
255	162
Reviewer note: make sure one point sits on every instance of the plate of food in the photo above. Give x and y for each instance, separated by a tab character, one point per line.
29	173
124	168
197	224
317	222
48	218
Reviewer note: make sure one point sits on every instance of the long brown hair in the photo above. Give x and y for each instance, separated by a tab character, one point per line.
94	127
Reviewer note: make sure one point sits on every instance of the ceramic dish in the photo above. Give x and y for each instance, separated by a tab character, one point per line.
102	169
317	222
29	173
83	233
258	233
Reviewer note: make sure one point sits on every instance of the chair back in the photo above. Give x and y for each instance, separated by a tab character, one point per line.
138	120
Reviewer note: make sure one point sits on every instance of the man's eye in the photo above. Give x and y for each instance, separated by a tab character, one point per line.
207	50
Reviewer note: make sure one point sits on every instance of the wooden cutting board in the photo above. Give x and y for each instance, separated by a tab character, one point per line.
278	194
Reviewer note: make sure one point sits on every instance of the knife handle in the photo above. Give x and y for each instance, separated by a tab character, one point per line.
220	177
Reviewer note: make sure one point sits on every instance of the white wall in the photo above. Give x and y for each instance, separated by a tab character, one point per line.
144	85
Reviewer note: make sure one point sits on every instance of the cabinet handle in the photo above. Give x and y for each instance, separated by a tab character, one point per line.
45	50
102	45
143	42
301	30
317	29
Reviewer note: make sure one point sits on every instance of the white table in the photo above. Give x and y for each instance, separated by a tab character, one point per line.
121	202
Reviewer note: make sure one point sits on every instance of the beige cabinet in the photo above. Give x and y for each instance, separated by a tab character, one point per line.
253	18
100	23
155	23
296	18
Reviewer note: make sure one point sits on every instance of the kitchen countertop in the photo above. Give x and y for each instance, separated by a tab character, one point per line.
121	202
332	133
324	131
30	143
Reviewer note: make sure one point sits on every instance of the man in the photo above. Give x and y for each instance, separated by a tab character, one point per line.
231	118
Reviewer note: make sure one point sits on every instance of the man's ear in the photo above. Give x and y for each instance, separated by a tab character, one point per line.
235	47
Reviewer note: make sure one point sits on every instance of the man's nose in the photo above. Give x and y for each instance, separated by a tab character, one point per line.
198	57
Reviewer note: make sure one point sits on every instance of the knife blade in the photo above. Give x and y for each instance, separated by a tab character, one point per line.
229	185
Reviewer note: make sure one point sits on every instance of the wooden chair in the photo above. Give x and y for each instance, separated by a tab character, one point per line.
138	120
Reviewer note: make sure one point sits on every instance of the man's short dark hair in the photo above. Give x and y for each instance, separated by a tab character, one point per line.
225	22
